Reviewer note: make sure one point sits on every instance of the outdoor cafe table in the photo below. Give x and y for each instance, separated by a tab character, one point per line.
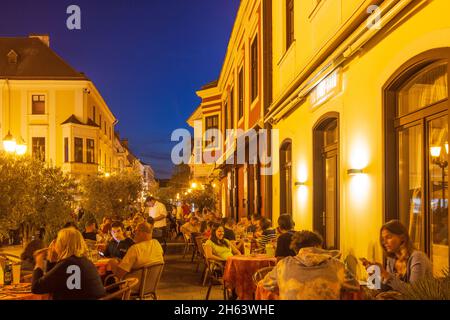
239	270
20	291
102	266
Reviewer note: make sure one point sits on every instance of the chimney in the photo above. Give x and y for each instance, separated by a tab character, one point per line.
45	38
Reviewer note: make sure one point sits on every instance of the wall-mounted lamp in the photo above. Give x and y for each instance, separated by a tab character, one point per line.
298	183
354	172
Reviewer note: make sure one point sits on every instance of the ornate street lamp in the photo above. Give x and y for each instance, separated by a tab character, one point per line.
9	143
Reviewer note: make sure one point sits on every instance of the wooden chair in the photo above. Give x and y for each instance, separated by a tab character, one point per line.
121	289
150	277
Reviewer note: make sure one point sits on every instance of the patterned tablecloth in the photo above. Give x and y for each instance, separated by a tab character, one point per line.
239	272
102	266
20	291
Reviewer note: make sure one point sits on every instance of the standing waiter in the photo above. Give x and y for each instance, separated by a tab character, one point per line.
157	211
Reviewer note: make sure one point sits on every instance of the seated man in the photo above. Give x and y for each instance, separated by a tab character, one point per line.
193	226
229	224
265	233
89	231
313	274
145	252
119	245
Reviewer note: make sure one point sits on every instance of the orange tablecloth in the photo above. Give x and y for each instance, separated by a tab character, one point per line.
102	266
239	272
20	292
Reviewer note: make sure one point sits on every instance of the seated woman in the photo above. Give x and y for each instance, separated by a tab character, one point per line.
404	264
313	274
70	274
27	257
285	227
217	247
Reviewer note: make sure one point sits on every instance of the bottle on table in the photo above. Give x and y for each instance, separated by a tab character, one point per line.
7	272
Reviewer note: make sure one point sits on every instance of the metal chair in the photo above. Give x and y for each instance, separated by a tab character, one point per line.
187	244
215	275
121	289
260	274
150	277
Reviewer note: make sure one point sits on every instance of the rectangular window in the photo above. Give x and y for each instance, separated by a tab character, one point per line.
38	104
90	148
241	94
100	121
93	114
254	71
211	122
289	23
104	128
79	150
66	149
38	148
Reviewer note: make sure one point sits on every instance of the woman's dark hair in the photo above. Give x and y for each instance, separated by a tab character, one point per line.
285	222
305	239
397	228
265	223
214	238
33	246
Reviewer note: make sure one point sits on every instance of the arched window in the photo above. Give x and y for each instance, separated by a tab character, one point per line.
286	177
417	153
326	179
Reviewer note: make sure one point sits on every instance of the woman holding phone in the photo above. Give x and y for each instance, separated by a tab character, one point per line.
404	264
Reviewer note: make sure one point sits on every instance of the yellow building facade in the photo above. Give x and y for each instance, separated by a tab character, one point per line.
360	99
56	110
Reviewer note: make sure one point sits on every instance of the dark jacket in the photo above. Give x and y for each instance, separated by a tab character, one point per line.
60	280
118	249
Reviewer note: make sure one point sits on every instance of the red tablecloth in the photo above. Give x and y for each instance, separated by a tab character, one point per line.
239	272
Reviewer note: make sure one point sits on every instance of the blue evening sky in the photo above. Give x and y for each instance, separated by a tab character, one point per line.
147	58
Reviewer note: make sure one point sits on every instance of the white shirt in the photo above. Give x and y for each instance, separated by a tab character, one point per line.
157	210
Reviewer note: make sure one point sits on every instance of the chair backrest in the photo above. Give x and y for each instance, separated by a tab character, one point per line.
199	242
260	274
120	289
150	277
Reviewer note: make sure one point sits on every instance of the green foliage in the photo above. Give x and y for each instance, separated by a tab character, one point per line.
202	198
115	196
428	288
87	216
33	195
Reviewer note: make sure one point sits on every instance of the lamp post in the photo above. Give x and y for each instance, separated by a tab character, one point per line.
436	159
9	143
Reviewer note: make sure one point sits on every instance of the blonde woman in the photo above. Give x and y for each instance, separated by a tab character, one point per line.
70	274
